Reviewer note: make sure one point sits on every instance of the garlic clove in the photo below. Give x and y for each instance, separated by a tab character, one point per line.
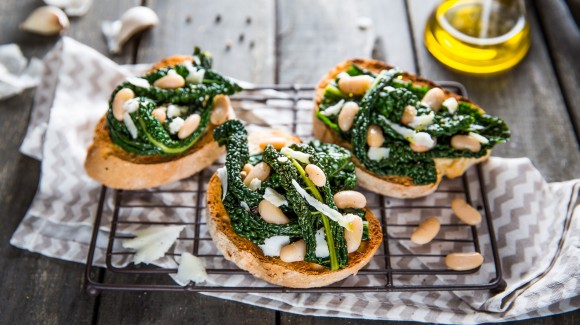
132	22
73	8
46	20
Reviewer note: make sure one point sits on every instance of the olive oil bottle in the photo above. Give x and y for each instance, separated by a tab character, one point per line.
480	37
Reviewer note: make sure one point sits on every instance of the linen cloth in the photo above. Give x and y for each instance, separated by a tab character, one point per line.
537	224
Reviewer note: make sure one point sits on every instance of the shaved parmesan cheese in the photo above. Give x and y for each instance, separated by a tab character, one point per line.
451	104
176	124
334	109
418	138
131	105
130	125
190	269
421	121
343	221
223	175
282	159
195	75
298	155
321	244
173	111
274	244
152	243
274	197
343	75
389	88
479	138
255	184
245	206
139	82
378	153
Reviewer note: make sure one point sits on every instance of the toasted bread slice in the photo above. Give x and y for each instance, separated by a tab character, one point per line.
117	168
394	186
249	256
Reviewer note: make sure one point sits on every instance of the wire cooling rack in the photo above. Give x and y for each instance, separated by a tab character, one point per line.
398	265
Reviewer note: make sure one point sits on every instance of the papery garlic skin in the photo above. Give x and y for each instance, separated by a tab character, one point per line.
73	8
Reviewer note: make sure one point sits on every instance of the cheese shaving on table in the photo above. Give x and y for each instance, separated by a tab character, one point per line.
223	175
190	269
274	197
274	244
300	156
152	243
343	221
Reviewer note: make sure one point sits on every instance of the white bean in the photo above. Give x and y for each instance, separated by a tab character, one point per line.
247	168
346	116
159	114
316	175
276	142
221	109
465	212
189	125
375	137
354	237
463	261
170	81
121	97
271	213
261	171
465	142
409	114
434	98
350	199
294	252
356	85
426	231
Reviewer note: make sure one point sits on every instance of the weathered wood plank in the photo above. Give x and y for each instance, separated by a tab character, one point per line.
528	98
563	38
36	289
254	63
315	35
240	35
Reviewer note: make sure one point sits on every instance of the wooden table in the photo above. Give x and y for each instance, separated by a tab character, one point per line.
267	41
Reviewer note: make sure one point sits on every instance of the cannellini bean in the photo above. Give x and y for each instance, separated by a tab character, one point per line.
419	148
465	142
247	168
316	175
375	137
350	199
346	116
159	114
121	97
276	142
243	174
271	213
171	80
261	171
189	125
426	231
463	261
465	212
294	252
356	85
409	114
434	98
354	237
221	109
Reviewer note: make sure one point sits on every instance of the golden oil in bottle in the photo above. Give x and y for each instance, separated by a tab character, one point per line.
480	37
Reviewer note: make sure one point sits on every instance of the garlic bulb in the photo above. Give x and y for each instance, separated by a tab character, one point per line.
132	21
46	20
73	8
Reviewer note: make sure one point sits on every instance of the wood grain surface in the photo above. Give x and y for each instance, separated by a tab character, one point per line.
270	41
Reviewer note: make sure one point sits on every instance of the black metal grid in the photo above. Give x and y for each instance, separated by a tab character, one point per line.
386	264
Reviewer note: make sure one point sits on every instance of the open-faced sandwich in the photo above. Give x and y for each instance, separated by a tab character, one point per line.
159	127
406	132
288	214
